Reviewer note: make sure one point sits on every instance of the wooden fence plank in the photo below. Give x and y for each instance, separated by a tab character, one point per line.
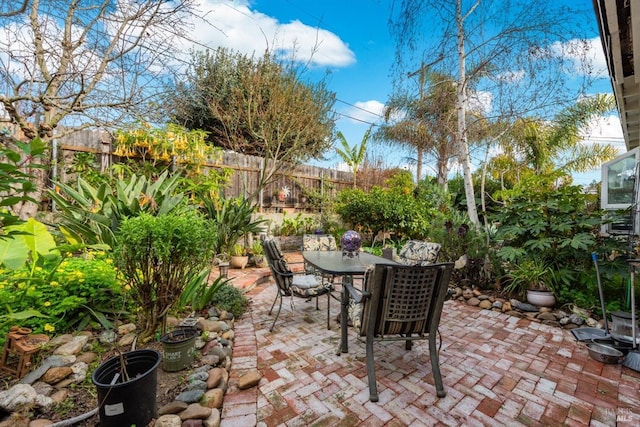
244	180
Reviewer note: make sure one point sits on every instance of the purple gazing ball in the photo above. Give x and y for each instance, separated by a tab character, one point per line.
351	241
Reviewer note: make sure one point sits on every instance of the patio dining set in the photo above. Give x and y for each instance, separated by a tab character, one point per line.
397	299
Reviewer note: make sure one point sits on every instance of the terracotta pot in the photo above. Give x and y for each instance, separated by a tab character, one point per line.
239	261
541	298
259	261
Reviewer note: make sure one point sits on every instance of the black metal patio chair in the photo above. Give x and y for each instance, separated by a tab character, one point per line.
290	284
400	303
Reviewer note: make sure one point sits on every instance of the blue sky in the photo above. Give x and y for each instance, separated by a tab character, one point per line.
351	40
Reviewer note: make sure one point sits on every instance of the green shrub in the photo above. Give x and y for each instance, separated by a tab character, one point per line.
403	209
459	238
231	299
555	224
296	226
159	256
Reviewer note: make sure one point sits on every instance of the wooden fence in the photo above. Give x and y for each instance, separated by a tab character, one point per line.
302	183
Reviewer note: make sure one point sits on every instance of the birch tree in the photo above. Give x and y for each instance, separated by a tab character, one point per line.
516	57
70	65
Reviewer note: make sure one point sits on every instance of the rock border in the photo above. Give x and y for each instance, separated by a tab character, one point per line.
513	307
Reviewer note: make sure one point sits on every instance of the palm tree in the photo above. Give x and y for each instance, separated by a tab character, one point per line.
540	146
426	123
353	156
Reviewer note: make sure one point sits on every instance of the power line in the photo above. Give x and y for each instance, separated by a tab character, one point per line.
359	108
354	118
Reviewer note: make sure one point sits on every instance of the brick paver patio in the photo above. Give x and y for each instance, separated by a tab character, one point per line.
497	369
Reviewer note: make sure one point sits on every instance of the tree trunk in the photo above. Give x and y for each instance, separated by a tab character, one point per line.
419	165
463	147
443	171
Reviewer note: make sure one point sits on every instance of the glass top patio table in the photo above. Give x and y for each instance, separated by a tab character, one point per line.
333	262
337	264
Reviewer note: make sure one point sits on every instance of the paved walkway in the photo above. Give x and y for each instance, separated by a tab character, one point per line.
498	370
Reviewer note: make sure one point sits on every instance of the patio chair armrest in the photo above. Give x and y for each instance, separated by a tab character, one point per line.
355	294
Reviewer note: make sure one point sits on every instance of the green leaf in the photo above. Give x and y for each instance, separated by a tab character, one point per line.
582	241
13	252
39	240
511	254
539	245
70	236
23	315
10	201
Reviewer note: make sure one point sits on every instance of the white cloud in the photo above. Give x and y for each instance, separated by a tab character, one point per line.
365	111
511	76
480	101
343	167
586	56
604	130
239	27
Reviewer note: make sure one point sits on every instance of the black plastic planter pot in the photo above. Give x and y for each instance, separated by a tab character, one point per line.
179	348
130	402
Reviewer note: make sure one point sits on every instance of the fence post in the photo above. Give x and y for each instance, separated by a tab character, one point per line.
54	169
105	152
322	190
261	188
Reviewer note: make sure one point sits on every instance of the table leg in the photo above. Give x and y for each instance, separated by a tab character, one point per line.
344	306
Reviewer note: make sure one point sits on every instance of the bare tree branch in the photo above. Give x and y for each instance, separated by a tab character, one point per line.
13	12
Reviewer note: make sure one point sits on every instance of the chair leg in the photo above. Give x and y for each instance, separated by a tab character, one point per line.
371	372
328	310
435	366
279	295
408	344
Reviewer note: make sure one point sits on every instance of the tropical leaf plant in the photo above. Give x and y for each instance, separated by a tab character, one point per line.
545	222
32	244
233	218
91	214
353	156
16	185
198	293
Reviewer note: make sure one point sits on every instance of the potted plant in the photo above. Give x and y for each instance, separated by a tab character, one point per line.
258	254
532	278
178	349
239	257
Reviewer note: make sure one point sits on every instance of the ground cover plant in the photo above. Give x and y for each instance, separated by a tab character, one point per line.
45	287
